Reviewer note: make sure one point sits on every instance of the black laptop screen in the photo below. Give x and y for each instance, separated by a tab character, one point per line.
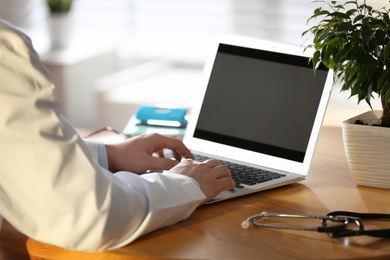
261	101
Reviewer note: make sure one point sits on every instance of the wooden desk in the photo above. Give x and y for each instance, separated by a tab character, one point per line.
214	231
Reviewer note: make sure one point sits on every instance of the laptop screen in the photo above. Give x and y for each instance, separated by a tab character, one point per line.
261	101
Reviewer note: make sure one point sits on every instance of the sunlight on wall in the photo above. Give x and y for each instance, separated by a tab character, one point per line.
172	31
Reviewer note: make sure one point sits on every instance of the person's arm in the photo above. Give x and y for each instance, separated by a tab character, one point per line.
50	187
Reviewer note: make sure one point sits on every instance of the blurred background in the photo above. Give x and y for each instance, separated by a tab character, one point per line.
116	55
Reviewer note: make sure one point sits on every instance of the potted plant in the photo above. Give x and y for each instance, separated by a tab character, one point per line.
353	39
60	26
59	6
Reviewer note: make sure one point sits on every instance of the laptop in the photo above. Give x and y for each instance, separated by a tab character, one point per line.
260	107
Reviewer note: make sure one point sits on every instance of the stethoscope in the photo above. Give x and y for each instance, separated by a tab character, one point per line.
341	220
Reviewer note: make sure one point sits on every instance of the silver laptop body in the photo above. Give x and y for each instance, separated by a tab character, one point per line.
260	105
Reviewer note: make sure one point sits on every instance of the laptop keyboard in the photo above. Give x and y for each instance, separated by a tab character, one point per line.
243	174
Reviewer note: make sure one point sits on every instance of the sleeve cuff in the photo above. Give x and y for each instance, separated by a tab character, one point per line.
194	181
102	155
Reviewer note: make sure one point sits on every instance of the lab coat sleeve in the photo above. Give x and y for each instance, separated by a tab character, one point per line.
51	187
93	149
98	152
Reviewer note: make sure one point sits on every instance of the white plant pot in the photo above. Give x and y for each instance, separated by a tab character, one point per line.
60	30
368	150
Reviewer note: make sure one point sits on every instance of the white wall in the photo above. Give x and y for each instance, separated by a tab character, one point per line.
169	30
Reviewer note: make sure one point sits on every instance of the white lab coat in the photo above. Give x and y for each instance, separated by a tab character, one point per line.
52	188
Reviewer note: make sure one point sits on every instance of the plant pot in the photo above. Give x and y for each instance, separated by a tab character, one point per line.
60	30
367	149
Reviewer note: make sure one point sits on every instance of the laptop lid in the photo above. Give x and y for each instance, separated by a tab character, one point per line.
260	103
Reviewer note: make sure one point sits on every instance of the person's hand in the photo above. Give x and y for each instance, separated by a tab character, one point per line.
136	154
213	178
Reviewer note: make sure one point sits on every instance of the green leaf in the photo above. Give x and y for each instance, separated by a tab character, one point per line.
362	75
351	74
351	12
368	95
362	93
339	76
386	51
380	37
368	37
318	10
305	32
351	2
344	27
342	54
335	41
323	36
354	89
319	13
326	54
386	18
358	17
339	15
350	85
316	58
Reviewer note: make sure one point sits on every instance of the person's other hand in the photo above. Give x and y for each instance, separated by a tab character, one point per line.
212	177
136	154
